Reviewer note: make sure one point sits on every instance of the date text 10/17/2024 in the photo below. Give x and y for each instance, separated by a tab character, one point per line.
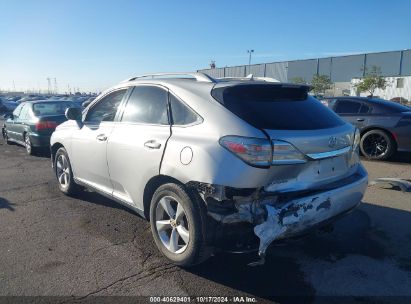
203	299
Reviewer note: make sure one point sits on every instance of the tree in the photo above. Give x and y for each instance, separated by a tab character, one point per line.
372	81
298	80
320	84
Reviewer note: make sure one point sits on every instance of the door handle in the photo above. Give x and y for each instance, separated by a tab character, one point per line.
360	119
101	137
152	144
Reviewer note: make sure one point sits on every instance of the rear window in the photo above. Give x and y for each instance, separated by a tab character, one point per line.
386	106
276	107
52	108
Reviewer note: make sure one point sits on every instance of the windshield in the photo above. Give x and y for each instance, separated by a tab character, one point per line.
52	108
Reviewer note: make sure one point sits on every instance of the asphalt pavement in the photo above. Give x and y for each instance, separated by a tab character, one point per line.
54	245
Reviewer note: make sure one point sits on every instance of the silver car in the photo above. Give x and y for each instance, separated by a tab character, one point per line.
213	163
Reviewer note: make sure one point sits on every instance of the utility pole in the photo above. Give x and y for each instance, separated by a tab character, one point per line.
55	86
48	85
249	57
14	86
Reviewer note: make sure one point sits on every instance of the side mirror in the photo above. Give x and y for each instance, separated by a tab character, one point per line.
8	116
74	114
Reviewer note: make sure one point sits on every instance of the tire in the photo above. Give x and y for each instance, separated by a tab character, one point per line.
377	145
64	173
5	136
28	145
189	249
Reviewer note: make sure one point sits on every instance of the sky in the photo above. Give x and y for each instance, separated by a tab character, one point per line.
94	44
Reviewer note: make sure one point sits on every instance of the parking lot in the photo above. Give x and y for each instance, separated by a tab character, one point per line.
53	245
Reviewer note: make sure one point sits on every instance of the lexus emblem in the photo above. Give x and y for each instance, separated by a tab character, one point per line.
332	142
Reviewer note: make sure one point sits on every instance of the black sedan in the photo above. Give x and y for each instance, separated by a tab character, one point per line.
32	123
385	125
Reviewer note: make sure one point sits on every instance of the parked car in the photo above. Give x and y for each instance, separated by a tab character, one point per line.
87	102
32	122
213	164
7	107
30	98
385	125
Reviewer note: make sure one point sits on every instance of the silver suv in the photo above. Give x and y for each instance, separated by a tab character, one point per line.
213	163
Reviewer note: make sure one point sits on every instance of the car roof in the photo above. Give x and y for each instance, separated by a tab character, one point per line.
197	83
374	101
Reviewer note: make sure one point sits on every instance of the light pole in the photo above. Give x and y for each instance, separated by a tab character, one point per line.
249	56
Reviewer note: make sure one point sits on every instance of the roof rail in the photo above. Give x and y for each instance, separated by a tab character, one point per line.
249	77
198	76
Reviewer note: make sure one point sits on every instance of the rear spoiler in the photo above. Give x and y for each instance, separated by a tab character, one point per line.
285	91
238	81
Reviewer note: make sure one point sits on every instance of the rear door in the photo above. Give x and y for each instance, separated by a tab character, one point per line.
353	111
137	143
88	153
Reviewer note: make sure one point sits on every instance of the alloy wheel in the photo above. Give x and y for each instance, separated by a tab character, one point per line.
63	170
172	224
27	144
4	133
375	145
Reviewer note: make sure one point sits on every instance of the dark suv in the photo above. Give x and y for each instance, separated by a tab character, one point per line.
385	125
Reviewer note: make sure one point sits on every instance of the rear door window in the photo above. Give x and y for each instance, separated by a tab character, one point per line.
24	112
147	104
268	106
17	110
348	107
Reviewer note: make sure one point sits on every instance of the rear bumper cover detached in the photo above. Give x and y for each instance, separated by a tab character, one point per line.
274	218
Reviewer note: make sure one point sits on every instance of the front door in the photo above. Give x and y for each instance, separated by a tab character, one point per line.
12	124
89	142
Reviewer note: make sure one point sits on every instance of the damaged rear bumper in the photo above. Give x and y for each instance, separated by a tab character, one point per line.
275	217
301	214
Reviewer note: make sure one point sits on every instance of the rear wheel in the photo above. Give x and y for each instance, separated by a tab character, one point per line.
64	173
377	144
28	145
177	221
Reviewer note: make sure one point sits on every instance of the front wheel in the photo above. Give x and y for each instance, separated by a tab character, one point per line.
64	173
5	136
377	145
178	225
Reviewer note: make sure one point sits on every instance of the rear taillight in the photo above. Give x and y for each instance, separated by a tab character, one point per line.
253	151
285	153
356	141
45	125
261	152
